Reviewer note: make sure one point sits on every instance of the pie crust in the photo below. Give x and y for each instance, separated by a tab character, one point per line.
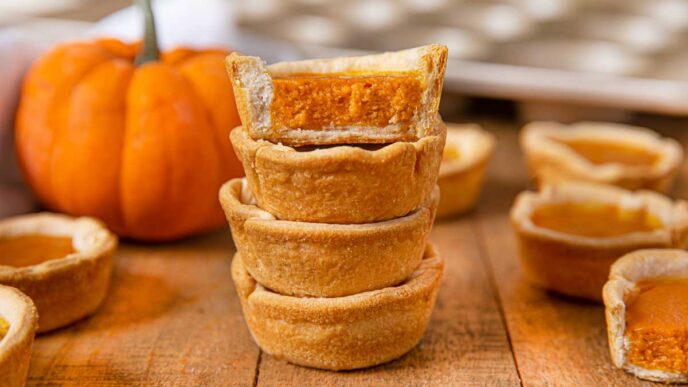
342	333
324	260
624	276
67	289
380	98
577	265
550	160
460	179
15	347
341	184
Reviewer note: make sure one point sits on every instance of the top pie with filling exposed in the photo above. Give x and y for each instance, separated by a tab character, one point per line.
356	100
621	155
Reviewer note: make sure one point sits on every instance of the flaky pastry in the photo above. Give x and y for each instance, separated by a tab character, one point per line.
647	314
341	333
18	315
379	98
570	234
64	288
324	260
466	153
341	184
626	156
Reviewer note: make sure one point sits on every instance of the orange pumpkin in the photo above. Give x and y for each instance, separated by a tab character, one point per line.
143	147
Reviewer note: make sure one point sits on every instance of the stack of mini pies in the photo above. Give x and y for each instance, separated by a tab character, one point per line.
341	156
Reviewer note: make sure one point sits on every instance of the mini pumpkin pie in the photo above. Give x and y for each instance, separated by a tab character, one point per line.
341	333
570	234
18	323
626	156
63	264
379	98
466	153
341	184
324	260
646	304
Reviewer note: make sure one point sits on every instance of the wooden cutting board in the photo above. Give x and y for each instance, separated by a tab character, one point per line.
173	318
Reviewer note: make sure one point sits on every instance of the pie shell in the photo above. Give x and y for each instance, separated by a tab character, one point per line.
67	289
253	91
551	161
461	180
15	348
341	184
342	333
577	265
624	275
324	260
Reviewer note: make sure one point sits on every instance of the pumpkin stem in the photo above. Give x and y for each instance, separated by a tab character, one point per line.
150	51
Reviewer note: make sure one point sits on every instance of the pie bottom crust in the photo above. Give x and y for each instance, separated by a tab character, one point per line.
324	260
625	273
67	289
461	180
579	266
341	184
342	333
15	348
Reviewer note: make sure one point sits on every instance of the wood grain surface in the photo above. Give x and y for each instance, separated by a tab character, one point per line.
173	318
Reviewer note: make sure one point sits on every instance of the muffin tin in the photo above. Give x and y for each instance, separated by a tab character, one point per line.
623	54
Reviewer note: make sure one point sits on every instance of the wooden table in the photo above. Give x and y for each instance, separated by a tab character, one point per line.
173	318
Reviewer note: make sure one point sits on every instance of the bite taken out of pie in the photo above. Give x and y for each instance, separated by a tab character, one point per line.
646	304
570	234
622	155
379	98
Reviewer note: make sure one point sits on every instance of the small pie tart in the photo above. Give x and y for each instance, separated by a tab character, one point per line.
341	333
341	184
646	305
466	153
63	264
571	233
621	155
358	100
324	260
18	323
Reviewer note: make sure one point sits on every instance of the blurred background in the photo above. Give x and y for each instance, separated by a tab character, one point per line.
566	60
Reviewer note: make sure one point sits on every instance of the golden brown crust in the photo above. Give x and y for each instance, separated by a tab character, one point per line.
324	260
253	90
15	348
64	290
576	265
460	180
342	333
624	275
342	184
550	161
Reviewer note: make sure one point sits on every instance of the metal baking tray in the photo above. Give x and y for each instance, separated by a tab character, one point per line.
557	57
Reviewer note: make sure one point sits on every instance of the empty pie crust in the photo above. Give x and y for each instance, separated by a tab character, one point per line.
626	156
324	260
341	333
65	288
570	234
466	154
19	319
379	98
341	184
648	337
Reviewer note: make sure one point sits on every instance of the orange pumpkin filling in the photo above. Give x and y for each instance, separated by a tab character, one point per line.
450	153
4	327
657	325
27	250
593	219
599	152
316	101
